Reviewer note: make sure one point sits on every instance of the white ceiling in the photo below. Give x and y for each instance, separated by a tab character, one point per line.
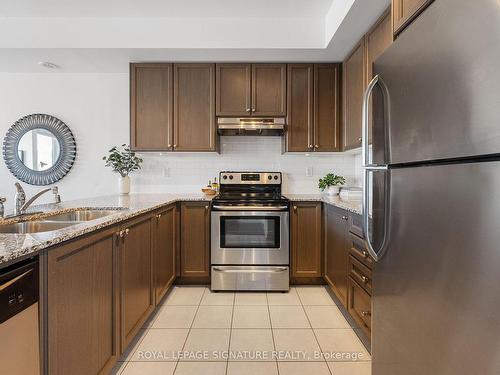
165	8
105	35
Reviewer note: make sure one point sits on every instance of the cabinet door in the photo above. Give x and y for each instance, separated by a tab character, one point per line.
233	87
405	11
269	89
360	306
164	254
300	109
337	252
151	107
326	107
136	279
195	239
376	42
306	240
353	86
81	308
194	107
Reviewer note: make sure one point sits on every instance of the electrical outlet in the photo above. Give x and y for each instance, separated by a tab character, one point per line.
166	172
309	171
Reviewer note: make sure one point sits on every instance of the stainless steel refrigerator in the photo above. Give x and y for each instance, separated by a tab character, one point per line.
432	194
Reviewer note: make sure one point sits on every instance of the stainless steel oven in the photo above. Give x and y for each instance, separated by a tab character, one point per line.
250	247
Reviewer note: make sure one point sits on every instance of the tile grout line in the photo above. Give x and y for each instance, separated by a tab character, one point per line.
230	334
272	331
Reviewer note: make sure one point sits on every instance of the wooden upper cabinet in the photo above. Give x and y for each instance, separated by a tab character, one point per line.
136	278
306	252
195	239
268	90
326	107
82	319
164	251
337	251
194	107
376	42
151	107
353	74
405	11
233	89
300	84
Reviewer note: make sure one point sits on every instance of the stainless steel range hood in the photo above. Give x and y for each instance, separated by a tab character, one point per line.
250	125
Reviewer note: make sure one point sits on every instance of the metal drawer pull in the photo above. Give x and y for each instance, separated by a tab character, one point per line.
361	277
366	313
275	270
344	218
365	253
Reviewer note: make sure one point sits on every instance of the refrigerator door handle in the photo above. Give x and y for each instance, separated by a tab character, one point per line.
368	168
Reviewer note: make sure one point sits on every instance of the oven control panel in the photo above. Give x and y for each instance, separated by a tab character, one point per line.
250	178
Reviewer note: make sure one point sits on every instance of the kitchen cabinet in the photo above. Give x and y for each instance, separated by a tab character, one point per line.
233	89
405	11
136	276
81	305
336	251
359	306
353	76
307	244
195	241
151	113
313	100
164	242
194	107
376	42
251	90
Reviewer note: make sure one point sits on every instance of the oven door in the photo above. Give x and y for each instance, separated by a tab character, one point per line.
250	237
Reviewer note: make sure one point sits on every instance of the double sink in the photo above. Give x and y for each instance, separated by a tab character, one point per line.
57	221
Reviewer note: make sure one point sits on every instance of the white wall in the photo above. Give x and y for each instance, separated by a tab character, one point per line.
96	108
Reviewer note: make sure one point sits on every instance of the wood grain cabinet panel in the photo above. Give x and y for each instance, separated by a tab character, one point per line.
195	240
164	238
194	107
353	74
336	251
82	316
326	107
405	11
307	247
300	107
136	279
233	89
268	89
377	40
360	306
151	113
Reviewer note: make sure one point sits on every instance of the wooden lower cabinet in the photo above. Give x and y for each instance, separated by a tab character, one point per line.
306	247
195	241
360	306
136	277
165	239
81	306
336	251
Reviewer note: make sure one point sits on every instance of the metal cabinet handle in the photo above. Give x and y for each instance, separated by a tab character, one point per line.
368	168
366	313
158	216
274	270
360	139
127	231
361	277
253	109
175	146
169	145
295	208
365	253
316	146
249	110
121	233
344	217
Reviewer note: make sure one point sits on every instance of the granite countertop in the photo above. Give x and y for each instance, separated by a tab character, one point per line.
15	247
351	206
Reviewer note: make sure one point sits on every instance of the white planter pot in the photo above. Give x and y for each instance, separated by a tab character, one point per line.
332	190
124	185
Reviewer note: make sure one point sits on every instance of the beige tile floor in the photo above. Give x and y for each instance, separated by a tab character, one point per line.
294	333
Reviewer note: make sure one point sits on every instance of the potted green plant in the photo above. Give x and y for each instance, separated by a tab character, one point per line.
331	183
123	161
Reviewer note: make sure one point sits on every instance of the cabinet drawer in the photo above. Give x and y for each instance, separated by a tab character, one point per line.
360	306
356	224
362	274
358	250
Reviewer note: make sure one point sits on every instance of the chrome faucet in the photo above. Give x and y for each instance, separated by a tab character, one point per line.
22	205
2	208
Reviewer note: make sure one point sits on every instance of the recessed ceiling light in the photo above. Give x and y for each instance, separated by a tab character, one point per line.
48	65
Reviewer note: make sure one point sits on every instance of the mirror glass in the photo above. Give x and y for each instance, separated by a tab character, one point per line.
39	149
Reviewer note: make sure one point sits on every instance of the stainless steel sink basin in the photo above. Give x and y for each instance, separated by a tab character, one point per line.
33	227
81	215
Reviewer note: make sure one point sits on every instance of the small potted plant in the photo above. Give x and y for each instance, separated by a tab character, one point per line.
123	161
331	183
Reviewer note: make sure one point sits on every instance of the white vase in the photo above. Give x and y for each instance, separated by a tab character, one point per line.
333	190
124	185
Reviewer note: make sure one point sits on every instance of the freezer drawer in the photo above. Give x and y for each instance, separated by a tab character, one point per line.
250	278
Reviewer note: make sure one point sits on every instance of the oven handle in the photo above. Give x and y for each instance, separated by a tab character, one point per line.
240	270
249	208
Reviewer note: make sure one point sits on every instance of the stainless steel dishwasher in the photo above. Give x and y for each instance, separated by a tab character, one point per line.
19	329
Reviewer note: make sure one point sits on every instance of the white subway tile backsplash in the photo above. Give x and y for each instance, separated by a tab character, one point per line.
187	172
